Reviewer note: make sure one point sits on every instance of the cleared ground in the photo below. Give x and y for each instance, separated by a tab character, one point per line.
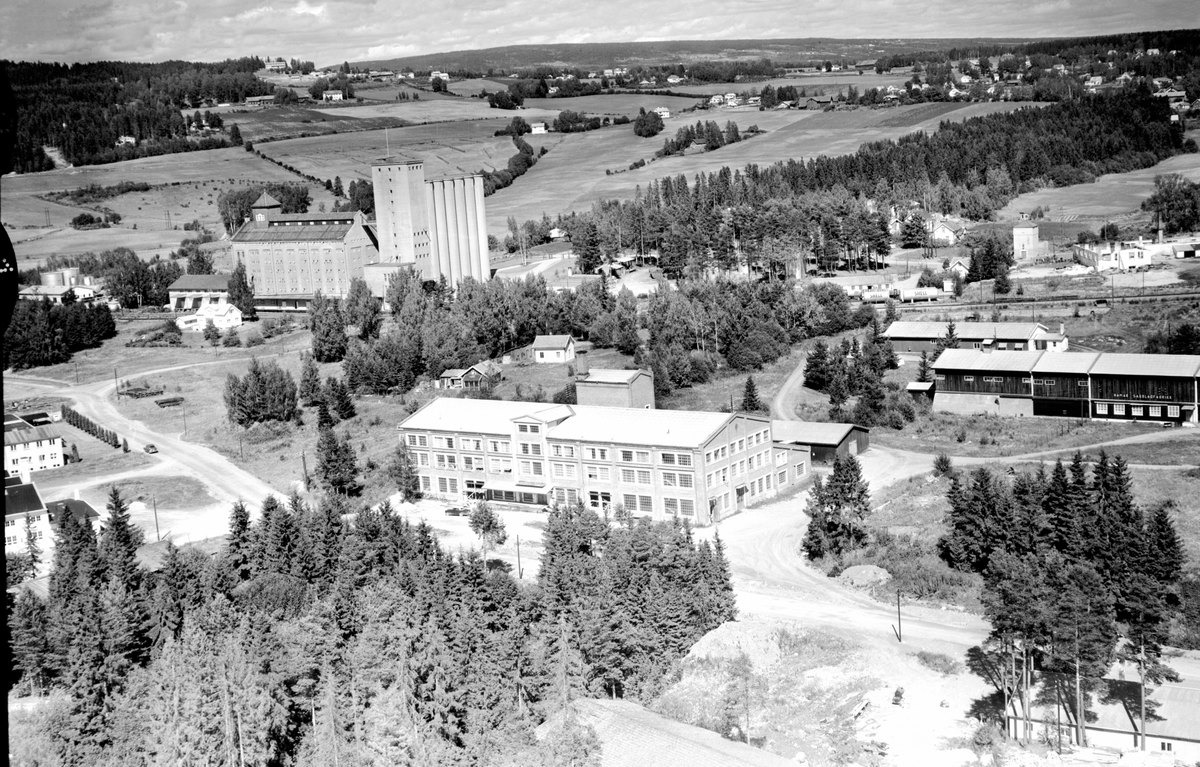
275	122
1113	195
573	176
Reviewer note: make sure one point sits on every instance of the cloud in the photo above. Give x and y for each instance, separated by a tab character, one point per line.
327	31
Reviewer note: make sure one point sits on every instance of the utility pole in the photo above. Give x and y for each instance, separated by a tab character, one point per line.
184	411
157	536
518	557
898	629
116	386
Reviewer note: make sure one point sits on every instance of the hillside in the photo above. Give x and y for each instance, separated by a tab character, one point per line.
599	55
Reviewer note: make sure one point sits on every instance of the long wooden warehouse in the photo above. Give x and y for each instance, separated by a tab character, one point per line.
1162	388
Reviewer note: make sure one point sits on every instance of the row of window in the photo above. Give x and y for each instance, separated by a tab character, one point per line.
737	446
1137	411
535	448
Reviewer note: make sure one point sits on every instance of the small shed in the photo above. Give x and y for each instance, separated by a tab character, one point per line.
827	441
553	348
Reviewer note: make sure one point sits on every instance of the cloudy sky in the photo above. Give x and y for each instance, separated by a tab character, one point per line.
330	31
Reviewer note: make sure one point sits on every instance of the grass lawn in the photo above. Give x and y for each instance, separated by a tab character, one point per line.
552	377
128	362
714	395
176	493
1153	486
97	459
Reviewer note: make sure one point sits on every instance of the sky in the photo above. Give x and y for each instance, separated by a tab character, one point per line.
331	31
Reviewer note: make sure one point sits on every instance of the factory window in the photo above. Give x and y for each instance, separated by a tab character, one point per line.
969	379
1081	384
1136	410
1155	411
1172	411
1118	408
781	479
1101	408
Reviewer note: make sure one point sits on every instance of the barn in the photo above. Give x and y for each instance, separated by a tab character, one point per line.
916	337
1145	387
827	441
970	381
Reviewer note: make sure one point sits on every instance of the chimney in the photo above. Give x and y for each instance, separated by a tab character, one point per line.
1062	329
581	364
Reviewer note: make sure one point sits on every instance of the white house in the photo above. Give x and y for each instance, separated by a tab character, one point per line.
662	112
537	128
1106	256
29	448
942	234
331	96
23	502
55	293
192	291
223	316
553	348
717	100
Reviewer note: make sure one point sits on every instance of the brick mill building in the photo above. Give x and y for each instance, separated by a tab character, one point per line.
436	228
1157	388
660	464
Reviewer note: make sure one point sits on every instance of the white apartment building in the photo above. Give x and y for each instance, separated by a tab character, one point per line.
660	464
1106	256
29	448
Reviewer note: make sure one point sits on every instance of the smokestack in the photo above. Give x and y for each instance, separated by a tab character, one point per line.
581	364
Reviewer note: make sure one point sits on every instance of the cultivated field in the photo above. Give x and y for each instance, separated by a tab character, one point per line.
830	82
573	176
282	122
617	104
1113	196
193	179
445	148
444	109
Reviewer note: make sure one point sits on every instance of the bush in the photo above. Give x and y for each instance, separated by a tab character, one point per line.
942	465
231	339
254	339
939	662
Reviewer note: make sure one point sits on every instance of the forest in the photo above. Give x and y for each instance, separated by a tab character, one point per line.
830	208
328	635
41	333
82	109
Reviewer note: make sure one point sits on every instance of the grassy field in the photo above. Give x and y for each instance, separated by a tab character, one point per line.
430	109
616	104
827	82
445	148
573	176
97	459
1111	195
553	377
714	395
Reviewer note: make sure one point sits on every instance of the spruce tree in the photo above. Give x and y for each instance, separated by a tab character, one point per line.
947	341
310	381
816	367
328	328
324	417
750	402
924	371
31	649
241	295
119	543
337	396
404	475
336	462
240	546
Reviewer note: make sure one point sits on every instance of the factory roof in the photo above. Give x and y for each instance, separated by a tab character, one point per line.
972	331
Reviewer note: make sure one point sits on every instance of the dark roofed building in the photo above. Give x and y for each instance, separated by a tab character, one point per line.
827	441
917	337
193	291
24	512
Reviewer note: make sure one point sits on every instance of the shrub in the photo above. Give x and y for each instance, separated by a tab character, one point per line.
231	339
254	339
939	662
942	465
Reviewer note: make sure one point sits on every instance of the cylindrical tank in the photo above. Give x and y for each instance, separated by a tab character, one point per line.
71	275
52	279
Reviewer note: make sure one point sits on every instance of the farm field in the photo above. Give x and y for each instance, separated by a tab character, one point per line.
445	148
441	109
1110	196
282	122
829	82
573	176
617	104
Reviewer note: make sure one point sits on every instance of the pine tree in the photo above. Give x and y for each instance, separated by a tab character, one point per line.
816	367
750	402
240	546
890	313
337	396
838	389
119	543
324	417
235	135
872	400
328	329
948	341
31	649
336	462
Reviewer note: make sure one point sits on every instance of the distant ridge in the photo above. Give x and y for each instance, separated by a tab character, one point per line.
601	55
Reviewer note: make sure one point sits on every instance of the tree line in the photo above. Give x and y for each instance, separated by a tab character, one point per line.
83	423
41	333
326	634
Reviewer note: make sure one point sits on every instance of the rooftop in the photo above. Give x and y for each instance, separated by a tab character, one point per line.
15	435
810	432
975	359
1167	365
552	342
266	201
21	499
971	331
609	376
61	510
201	282
249	233
1071	362
584	423
55	290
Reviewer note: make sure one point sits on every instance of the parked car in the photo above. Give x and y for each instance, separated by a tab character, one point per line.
150	449
457	511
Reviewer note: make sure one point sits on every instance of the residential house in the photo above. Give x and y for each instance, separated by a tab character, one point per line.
331	96
959	266
731	100
481	375
222	316
552	90
537	128
259	101
661	464
29	448
195	291
942	233
553	348
716	100
818	102
1095	81
662	112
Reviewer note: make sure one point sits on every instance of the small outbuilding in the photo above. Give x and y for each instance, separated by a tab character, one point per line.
479	376
827	441
553	348
615	388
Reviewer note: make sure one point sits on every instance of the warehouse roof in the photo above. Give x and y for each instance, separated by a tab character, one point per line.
975	359
250	233
970	331
201	282
1167	365
1071	362
21	499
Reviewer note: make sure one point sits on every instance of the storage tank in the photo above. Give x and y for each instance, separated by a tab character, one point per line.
920	294
876	296
52	279
71	275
